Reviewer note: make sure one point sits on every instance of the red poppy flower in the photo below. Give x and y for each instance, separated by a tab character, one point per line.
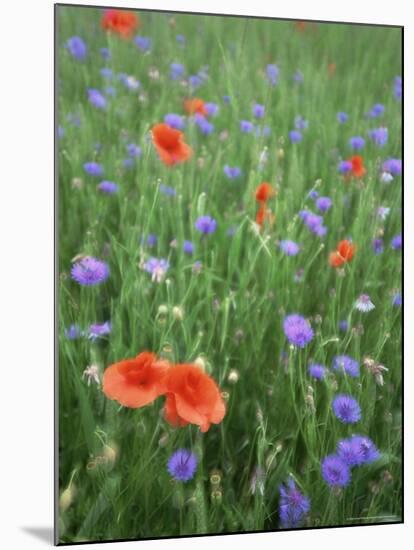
344	252
170	145
264	192
193	397
121	22
358	169
195	105
135	382
264	214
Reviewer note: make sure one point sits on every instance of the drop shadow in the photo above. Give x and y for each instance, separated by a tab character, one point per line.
42	533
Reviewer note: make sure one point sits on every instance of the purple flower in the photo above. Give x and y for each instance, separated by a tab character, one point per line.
106	72
182	465
246	126
364	303
197	266
379	136
134	151
195	81
343	325
313	222
226	99
151	240
93	169
378	246
157	268
258	110
298	77
396	242
177	71
377	110
175	121
206	224
98	330
203	124
301	123
96	98
188	247
143	42
293	505
290	248
295	136
383	212
298	330
212	109
317	371
77	48
323	204
167	190
342	117
108	187
396	299
357	450
129	81
313	194
397	87
346	364
232	172
346	409
73	332
357	143
272	73
344	166
335	471
90	271
393	166
105	53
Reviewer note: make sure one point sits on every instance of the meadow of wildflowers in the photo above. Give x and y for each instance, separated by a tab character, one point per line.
229	267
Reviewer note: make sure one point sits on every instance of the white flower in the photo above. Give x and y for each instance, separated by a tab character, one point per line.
364	303
386	177
92	374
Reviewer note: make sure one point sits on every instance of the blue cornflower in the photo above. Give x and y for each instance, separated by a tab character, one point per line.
246	126
393	166
258	110
343	325
175	121
298	330
143	42
295	136
108	187
346	364
93	169
335	471
195	81
342	117
396	242
205	224
293	505
357	143
212	109
177	71
301	123
313	194
346	409
106	72
203	124
73	332
317	371
396	299
377	110
378	246
226	99
77	48
134	151
182	465
157	267
180	39
151	240
397	87
98	330
96	98
188	247
232	172
357	450
323	204
105	53
90	271
272	73
344	166
288	247
379	136
167	190
313	222
298	77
